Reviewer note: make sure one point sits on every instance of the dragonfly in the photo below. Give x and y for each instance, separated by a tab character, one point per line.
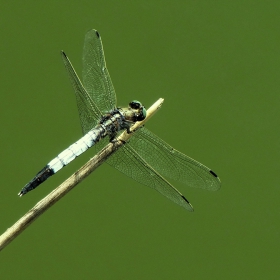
146	158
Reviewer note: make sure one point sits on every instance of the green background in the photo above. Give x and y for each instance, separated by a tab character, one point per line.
216	64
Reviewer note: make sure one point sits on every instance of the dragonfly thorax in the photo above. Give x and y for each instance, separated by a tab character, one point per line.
135	112
120	119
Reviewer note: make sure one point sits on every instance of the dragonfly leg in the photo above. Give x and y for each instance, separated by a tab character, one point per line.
116	140
112	136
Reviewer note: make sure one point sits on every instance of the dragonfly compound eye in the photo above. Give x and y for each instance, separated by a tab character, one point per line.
142	114
135	104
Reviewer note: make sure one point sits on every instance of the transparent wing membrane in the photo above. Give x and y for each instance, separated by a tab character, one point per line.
172	163
88	111
96	77
129	162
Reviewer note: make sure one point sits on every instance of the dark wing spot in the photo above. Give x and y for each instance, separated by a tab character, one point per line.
185	199
64	54
97	34
213	173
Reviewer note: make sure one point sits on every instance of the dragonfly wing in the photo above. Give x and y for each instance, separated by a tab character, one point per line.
171	163
129	162
96	77
89	113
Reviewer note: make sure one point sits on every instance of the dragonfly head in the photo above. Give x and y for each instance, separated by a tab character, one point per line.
140	112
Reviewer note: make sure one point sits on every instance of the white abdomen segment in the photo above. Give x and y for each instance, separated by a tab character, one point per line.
87	141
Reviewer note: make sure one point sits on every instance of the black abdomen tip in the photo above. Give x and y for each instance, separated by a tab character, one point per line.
97	34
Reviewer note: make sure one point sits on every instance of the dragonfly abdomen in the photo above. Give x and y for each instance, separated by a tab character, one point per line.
80	146
65	157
